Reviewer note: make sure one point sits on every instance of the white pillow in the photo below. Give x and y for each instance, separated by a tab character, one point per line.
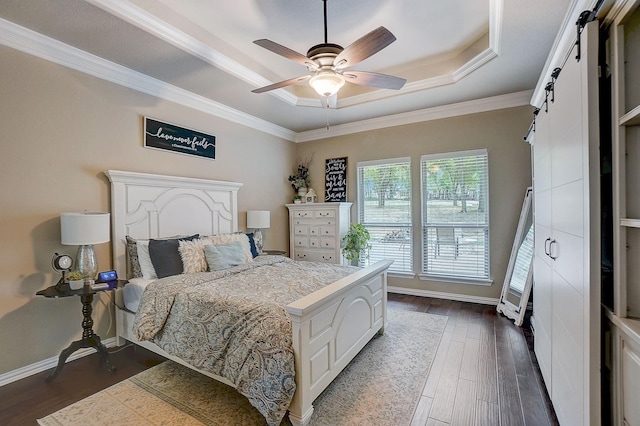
148	271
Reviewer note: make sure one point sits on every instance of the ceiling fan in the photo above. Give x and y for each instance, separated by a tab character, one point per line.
327	62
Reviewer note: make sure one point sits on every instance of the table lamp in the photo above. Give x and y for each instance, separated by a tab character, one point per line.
258	220
84	230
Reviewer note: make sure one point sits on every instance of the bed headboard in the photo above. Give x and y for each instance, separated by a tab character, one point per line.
151	206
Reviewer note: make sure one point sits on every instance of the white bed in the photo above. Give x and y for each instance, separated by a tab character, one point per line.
330	326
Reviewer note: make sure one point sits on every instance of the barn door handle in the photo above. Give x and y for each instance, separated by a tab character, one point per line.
552	257
547	247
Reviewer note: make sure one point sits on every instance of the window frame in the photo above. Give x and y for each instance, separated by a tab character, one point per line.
406	273
454	278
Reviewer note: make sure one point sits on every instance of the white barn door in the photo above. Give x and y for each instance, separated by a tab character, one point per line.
566	292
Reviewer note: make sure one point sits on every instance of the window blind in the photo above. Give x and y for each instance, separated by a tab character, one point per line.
455	215
384	208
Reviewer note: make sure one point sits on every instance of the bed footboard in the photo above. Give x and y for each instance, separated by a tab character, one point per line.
330	327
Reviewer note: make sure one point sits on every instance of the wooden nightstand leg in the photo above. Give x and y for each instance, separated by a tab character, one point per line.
94	341
63	357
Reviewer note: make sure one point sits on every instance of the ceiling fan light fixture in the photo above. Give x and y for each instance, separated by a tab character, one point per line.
326	83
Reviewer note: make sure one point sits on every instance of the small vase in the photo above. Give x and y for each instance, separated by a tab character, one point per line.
302	191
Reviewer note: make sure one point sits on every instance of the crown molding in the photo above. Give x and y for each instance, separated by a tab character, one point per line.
428	114
41	46
147	22
140	18
44	47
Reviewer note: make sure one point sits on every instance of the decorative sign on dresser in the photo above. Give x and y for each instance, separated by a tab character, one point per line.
316	230
335	177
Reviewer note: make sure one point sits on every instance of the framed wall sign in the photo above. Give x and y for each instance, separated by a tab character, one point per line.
335	175
174	138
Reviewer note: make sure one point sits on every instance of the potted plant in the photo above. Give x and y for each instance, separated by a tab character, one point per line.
75	280
355	243
297	199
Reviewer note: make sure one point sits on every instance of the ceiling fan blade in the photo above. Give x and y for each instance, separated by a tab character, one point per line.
364	47
372	79
286	52
280	84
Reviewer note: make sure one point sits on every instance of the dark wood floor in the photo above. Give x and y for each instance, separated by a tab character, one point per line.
484	373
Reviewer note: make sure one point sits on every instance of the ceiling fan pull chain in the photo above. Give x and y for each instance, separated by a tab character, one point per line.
326	99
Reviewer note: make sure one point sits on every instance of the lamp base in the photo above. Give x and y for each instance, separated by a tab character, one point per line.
86	261
258	239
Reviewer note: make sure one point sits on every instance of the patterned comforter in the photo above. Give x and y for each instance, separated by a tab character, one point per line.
233	323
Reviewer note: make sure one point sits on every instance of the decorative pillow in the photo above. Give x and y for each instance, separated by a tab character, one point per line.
252	244
231	238
192	255
139	256
146	267
165	256
132	256
224	256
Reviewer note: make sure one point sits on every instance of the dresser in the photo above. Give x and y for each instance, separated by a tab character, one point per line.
316	230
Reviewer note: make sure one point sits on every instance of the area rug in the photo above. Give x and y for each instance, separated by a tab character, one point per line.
381	386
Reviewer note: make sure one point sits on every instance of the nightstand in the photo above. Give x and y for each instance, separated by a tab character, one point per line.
89	338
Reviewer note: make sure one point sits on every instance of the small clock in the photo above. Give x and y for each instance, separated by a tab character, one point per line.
61	262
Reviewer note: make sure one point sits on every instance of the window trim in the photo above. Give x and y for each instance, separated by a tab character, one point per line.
425	275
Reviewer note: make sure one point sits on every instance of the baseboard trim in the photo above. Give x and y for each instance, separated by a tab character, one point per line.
30	370
442	295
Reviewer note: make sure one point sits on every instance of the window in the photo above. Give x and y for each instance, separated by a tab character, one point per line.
384	208
455	215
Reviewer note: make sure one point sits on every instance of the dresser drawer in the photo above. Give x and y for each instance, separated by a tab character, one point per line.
314	230
328	243
302	241
324	213
316	256
301	230
327	230
303	214
314	242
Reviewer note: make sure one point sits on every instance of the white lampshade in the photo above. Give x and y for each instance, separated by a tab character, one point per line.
258	219
84	228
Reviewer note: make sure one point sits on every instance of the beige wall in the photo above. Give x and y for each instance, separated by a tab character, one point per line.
500	132
60	130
